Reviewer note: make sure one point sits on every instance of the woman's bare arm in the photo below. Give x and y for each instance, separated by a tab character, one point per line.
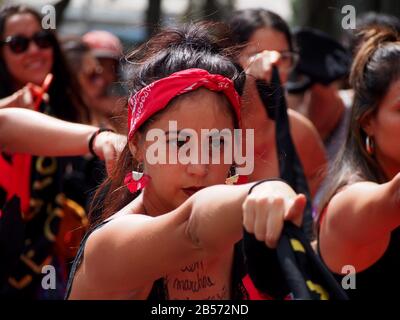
134	250
310	149
358	222
26	131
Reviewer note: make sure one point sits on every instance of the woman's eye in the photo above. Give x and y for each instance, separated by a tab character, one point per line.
179	142
217	142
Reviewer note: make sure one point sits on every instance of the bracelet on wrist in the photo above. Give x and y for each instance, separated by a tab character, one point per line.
93	137
265	180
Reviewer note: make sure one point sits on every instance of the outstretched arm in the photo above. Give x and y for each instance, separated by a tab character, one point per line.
137	249
26	131
358	222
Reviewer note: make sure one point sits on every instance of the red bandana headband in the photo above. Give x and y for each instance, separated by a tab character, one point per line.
158	94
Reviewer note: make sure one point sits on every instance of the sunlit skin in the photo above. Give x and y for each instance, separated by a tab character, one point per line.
202	109
306	139
90	78
172	231
372	207
35	63
267	39
326	118
384	128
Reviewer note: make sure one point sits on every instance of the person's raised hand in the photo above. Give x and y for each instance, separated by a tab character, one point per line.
268	206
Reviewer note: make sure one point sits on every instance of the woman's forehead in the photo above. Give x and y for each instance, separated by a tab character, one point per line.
202	108
267	38
21	23
392	96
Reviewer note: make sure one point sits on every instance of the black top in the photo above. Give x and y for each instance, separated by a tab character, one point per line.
382	279
159	292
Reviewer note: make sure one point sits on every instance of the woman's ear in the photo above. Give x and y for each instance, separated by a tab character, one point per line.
367	123
134	147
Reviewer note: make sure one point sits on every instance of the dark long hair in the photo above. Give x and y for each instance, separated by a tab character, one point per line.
202	45
64	92
244	23
375	67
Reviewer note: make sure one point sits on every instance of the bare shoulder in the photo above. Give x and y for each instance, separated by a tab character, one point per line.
131	251
339	241
310	148
302	128
345	200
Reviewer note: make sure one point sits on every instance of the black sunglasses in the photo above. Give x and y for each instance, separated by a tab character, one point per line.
19	44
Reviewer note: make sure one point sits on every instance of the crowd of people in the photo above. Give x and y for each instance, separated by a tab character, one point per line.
80	190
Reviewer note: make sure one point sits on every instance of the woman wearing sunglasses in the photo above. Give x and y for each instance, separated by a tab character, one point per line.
266	41
28	53
46	187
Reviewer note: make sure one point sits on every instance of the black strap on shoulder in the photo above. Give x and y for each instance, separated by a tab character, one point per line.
79	257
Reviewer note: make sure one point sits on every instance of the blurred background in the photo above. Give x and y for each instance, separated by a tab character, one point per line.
133	21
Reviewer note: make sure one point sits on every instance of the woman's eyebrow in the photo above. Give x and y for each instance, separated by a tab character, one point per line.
182	131
215	135
172	131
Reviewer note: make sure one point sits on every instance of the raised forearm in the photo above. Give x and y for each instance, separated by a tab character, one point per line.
216	216
217	212
26	131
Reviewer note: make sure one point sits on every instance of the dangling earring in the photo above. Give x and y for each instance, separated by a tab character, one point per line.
369	145
136	180
235	178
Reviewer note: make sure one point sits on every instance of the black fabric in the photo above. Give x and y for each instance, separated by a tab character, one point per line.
266	94
54	181
292	270
263	267
306	275
81	183
79	257
322	60
381	280
40	223
238	291
289	269
290	167
12	230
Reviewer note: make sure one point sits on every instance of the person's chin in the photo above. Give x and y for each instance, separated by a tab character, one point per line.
181	198
38	79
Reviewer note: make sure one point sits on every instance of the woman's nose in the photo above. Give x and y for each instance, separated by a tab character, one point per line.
33	47
197	169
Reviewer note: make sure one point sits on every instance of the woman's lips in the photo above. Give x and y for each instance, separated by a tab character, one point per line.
191	190
35	64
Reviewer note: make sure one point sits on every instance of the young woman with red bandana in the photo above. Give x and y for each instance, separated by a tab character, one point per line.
178	238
